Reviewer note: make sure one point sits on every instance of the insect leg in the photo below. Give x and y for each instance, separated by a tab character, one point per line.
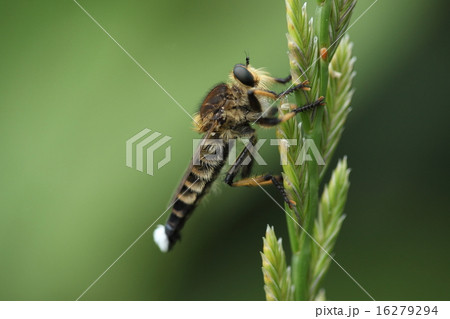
263	180
272	121
274	96
238	164
283	80
302	86
247	169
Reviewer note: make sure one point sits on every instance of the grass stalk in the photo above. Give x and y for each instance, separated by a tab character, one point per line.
313	51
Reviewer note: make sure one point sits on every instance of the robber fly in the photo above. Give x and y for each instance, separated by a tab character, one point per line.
228	112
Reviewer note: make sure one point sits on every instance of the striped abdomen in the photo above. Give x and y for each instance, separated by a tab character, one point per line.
202	172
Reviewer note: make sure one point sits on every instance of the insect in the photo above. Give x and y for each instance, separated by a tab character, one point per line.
228	112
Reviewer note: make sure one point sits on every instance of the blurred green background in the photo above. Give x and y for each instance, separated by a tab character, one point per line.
70	98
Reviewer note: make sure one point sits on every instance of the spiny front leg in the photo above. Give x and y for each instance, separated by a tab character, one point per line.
274	96
272	121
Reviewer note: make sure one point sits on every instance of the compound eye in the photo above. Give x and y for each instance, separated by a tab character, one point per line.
243	75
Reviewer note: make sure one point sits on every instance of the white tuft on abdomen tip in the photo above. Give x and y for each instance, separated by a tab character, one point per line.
161	239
